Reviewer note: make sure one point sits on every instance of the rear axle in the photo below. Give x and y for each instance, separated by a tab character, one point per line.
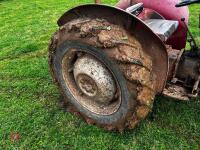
184	75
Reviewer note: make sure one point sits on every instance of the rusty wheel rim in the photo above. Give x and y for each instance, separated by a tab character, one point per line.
101	94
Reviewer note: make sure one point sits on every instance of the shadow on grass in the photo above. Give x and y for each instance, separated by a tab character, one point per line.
1	1
21	51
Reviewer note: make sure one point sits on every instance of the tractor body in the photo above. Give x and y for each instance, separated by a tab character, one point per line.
167	10
110	62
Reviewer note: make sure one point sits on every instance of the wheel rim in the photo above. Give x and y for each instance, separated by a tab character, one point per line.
90	82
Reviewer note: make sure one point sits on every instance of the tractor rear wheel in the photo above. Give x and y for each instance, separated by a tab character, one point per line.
102	72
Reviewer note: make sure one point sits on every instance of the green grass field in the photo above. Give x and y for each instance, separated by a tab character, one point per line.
29	100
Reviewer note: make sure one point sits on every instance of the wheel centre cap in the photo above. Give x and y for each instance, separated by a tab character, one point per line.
94	79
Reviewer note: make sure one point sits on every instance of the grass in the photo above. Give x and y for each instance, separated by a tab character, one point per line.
29	100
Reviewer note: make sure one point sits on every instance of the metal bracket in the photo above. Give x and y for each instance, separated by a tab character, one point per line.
174	79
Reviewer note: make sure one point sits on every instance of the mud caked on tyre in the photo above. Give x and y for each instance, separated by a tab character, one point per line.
102	72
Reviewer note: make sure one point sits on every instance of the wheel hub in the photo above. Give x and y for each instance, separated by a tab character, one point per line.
87	85
93	79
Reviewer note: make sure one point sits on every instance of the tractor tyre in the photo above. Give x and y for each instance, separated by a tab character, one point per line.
102	72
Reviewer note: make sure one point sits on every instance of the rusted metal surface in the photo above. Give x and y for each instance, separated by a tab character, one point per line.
188	68
176	65
151	44
188	73
173	61
176	92
184	75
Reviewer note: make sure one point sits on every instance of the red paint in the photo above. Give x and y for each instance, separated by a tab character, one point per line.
15	137
168	10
